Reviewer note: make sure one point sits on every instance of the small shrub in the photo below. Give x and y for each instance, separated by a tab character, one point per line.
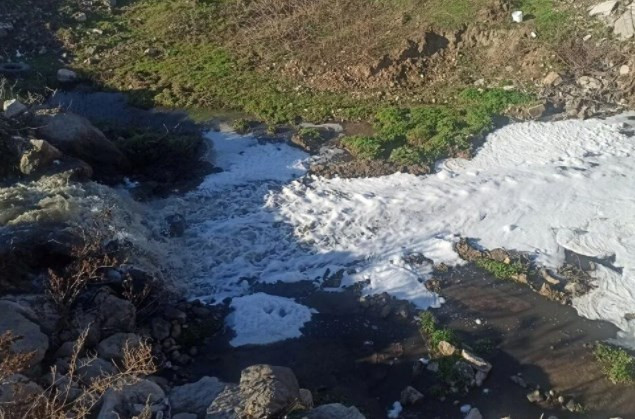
433	334
241	126
501	270
310	133
405	156
616	363
363	147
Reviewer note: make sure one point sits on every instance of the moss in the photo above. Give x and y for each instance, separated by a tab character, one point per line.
363	147
617	364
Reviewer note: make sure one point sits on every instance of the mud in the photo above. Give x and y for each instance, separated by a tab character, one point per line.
349	353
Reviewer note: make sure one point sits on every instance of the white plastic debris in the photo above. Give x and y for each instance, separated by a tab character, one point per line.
517	16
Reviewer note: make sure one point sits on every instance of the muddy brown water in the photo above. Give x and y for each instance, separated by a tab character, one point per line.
352	355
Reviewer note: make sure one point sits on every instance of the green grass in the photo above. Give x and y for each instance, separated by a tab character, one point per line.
616	363
501	270
434	335
552	23
423	134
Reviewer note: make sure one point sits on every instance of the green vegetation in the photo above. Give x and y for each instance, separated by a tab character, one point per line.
616	363
501	270
423	134
241	126
552	23
433	334
311	134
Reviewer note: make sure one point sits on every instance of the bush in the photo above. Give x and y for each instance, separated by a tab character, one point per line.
241	126
433	334
405	156
363	147
616	363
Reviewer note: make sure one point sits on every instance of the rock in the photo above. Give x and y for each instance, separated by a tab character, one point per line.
535	396
334	411
65	350
13	108
546	275
624	70
467	252
537	111
40	155
196	397
80	16
130	400
77	137
589	83
624	26
474	414
517	379
603	9
410	396
115	314
574	288
112	347
176	225
446	348
17	385
268	390
477	362
91	368
65	75
306	398
172	313
30	337
552	79
227	405
480	377
160	329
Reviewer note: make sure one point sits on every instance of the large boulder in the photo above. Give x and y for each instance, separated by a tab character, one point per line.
30	338
228	404
76	136
268	390
16	386
113	346
40	154
196	397
131	400
334	411
91	369
115	314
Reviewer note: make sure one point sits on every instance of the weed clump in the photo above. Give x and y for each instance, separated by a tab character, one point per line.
501	270
432	333
617	364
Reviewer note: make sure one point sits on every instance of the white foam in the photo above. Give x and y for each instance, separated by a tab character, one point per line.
261	319
536	187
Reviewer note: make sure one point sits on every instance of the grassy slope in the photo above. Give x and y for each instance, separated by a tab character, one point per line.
229	54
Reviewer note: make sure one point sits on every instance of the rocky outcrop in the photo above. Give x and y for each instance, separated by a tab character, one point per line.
132	399
77	137
267	390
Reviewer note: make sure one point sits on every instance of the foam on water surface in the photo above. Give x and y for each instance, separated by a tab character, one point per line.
536	187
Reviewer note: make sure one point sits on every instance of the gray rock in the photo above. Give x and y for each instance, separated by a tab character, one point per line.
117	404
89	369
112	347
589	83
115	314
17	385
306	398
65	75
334	411
160	329
624	26
474	414
39	156
65	350
31	339
535	396
603	9
227	405
410	396
77	137
196	397
268	390
13	108
477	362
